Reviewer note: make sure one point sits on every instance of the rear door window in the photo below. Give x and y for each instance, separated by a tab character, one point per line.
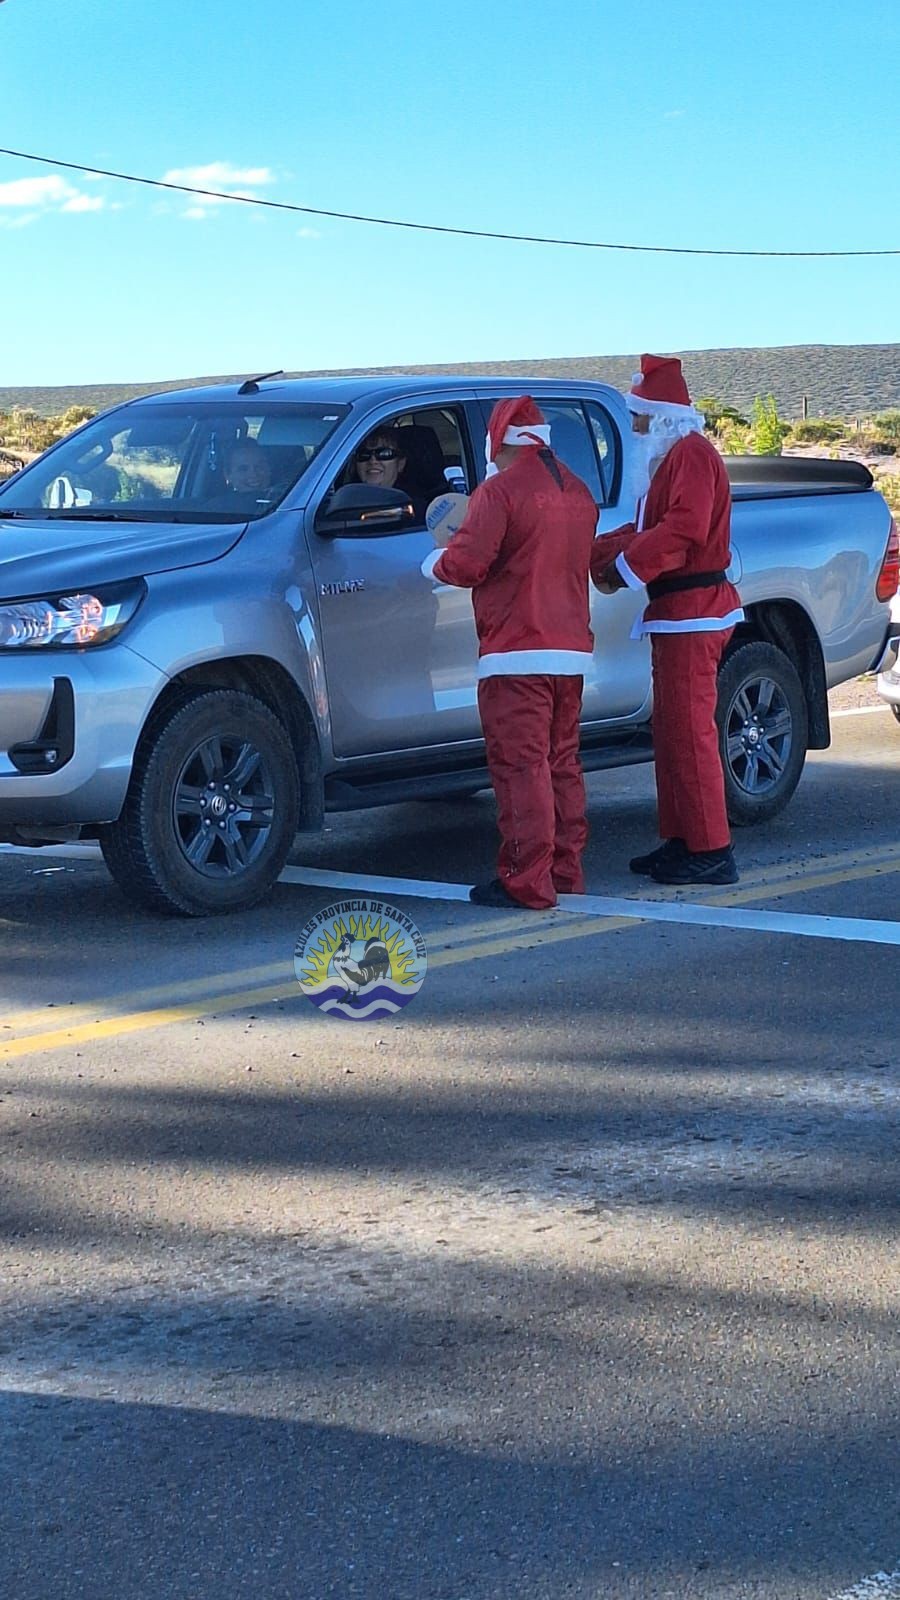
572	439
606	442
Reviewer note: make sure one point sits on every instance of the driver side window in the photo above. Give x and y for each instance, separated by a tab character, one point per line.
421	452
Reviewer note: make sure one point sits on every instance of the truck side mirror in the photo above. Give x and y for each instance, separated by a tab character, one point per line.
361	511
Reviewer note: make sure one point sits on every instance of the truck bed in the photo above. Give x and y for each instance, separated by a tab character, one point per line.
780	477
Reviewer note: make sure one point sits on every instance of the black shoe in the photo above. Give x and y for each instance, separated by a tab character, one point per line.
494	894
663	856
698	867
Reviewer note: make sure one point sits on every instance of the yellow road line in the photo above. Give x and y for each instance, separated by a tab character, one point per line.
819	880
137	1021
271	972
831	870
241	999
549	931
85	1011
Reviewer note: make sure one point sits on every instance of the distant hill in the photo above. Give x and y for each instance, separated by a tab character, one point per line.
838	380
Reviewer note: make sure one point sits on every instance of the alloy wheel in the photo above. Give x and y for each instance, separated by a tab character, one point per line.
758	735
224	806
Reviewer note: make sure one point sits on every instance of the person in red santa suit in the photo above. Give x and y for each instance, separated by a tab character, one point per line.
678	550
524	550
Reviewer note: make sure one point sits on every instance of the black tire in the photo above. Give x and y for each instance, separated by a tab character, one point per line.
763	731
896	710
211	810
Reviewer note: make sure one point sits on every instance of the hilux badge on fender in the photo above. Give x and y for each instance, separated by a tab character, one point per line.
343	586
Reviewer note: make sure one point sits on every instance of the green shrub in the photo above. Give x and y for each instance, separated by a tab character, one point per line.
768	430
33	432
886	427
719	415
70	420
27	429
734	438
888	484
818	430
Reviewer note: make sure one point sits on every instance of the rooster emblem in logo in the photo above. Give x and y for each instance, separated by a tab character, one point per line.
374	963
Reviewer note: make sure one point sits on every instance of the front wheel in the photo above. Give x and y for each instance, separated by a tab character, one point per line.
763	731
211	810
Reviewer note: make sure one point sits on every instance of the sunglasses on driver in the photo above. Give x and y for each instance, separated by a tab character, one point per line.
383	452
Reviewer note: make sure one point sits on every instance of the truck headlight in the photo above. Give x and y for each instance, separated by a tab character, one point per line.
84	617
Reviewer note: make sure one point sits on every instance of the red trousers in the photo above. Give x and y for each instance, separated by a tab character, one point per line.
531	730
690	787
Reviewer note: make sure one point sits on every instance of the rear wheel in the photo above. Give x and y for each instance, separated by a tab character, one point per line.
763	731
211	810
896	711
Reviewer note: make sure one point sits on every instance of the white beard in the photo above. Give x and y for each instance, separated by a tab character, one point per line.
650	449
642	467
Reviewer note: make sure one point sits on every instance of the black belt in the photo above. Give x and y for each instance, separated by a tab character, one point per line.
657	587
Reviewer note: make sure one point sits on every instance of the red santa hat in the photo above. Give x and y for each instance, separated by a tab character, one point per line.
659	390
517	421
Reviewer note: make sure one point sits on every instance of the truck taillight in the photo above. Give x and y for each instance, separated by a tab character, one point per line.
889	576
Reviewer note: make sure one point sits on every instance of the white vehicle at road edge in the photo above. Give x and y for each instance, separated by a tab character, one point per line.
888	683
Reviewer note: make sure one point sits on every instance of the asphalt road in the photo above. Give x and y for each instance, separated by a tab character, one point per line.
578	1278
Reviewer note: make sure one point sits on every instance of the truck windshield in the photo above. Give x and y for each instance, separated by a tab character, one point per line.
171	461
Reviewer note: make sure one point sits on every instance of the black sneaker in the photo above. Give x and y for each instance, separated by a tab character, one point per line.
698	867
664	854
494	894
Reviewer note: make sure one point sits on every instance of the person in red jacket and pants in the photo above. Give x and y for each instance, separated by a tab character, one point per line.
678	549
524	550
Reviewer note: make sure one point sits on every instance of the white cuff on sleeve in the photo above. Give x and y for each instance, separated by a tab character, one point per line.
430	562
624	571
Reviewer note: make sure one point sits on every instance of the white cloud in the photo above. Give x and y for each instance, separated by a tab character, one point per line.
49	193
34	191
219	175
308	233
84	202
238	181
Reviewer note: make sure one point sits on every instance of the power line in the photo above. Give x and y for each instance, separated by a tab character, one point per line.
434	227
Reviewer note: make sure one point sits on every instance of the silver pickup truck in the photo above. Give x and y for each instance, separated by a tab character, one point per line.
193	668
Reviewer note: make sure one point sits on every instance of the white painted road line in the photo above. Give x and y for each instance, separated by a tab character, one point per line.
358	883
89	851
854	929
880	1586
857	930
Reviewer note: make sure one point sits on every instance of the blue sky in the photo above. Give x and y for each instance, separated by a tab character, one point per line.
771	126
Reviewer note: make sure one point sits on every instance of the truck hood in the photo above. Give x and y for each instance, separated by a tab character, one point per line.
39	556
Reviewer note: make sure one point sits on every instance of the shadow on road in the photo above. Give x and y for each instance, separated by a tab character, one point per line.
190	1503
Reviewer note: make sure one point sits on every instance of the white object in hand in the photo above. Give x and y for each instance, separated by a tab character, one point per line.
445	515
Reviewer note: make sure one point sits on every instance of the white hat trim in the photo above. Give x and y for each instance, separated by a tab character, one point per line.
663	408
528	433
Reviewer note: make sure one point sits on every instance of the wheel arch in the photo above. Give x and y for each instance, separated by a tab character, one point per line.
268	681
785	624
